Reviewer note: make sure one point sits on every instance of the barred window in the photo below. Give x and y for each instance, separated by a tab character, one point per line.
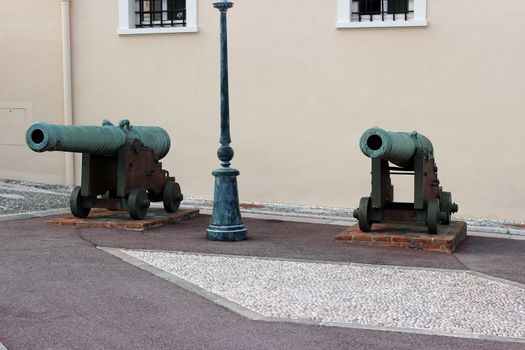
398	6
368	7
381	10
160	13
381	13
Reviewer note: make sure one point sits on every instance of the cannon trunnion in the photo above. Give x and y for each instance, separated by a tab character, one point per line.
120	165
413	154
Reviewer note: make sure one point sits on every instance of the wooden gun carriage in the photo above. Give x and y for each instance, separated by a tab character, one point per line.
120	165
413	154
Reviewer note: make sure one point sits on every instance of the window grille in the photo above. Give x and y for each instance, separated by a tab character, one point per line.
160	13
381	10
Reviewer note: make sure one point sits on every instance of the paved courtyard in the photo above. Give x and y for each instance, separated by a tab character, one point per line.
450	302
289	286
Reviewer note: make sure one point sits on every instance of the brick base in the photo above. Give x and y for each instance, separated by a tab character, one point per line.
447	239
120	219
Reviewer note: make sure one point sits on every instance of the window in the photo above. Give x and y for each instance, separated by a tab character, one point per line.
398	6
157	16
368	7
381	13
381	10
160	13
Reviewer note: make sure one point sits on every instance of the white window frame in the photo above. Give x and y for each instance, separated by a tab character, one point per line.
344	21
127	18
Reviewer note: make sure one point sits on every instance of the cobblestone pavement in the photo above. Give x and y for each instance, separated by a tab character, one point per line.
18	197
446	302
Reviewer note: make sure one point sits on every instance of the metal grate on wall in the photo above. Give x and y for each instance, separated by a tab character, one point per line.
160	13
381	10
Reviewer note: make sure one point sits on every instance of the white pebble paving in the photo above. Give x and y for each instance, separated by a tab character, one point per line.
434	300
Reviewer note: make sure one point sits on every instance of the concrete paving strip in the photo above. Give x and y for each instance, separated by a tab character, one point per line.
2	347
254	315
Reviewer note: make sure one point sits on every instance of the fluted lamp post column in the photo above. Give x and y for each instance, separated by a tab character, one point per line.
226	223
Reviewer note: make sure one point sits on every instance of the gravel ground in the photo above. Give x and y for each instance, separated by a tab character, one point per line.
26	197
435	300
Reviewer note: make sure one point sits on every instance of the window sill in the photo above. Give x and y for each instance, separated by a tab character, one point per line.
382	24
170	30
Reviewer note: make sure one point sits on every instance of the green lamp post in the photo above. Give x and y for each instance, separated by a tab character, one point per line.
226	223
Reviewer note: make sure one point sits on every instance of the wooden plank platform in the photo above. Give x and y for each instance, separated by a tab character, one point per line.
103	218
447	239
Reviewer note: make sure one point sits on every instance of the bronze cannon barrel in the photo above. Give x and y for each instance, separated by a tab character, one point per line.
396	147
101	140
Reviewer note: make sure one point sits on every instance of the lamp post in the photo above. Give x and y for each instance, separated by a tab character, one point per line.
226	223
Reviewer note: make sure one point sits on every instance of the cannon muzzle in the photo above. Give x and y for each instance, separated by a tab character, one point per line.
396	147
100	140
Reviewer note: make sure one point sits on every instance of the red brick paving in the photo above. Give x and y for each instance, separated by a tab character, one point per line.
120	219
448	238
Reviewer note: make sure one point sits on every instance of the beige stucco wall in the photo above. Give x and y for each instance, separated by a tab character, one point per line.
30	86
302	92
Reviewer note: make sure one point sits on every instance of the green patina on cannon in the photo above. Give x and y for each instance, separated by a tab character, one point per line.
120	165
412	153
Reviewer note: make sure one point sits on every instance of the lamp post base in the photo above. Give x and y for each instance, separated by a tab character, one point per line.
226	223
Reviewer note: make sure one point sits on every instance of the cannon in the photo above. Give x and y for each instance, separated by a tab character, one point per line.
120	165
410	154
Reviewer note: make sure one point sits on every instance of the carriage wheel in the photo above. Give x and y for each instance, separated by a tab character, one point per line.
138	203
433	214
363	214
171	197
76	206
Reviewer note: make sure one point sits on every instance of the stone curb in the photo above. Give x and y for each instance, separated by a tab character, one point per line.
252	315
